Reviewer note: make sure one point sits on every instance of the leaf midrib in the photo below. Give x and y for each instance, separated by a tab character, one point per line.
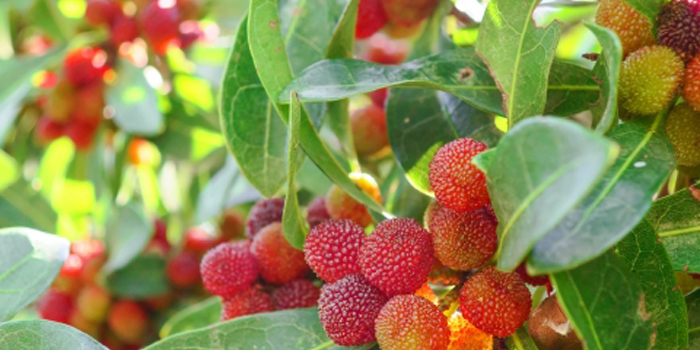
517	62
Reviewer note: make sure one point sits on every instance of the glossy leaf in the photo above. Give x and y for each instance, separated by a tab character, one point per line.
676	218
649	8
617	203
227	188
200	315
606	304
144	277
29	262
521	59
531	204
135	102
22	205
129	232
294	224
693	306
44	335
607	69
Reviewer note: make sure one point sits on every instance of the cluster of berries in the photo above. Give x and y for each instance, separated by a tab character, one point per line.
655	70
401	17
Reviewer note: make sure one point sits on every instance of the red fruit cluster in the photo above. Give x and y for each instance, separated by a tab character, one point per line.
296	294
370	18
369	129
411	322
679	27
279	262
332	249
316	212
250	301
464	241
263	213
229	269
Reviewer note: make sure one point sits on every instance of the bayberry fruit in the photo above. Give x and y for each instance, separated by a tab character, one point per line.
199	240
679	27
229	269
369	129
48	129
411	322
93	303
316	212
332	249
632	27
370	18
341	205
378	97
82	134
408	12
99	12
296	294
123	30
382	49
279	262
85	66
160	25
550	329
79	321
683	129
55	306
464	241
89	102
128	320
691	89
183	269
247	302
430	212
263	213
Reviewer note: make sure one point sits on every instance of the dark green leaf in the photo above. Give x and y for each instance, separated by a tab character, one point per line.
405	201
606	304
128	233
135	102
649	8
664	301
294	225
29	261
521	340
142	278
617	203
519	55
46	15
44	335
607	69
676	218
200	315
227	188
693	303
551	156
22	205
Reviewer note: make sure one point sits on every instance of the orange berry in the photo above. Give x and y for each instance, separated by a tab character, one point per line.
632	27
411	322
279	262
342	206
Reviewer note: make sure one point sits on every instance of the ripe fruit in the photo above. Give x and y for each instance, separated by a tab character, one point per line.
383	50
100	12
550	329
247	302
199	240
160	25
411	322
142	152
496	302
408	12
397	31
679	27
128	321
316	212
370	18
632	27
347	310
332	249
342	206
93	303
691	89
55	306
263	213
78	320
123	29
228	269
159	241
232	225
683	129
531	280
369	129
68	280
397	257
90	102
458	184
379	96
84	66
463	241
48	129
427	293
296	294
82	134
279	262
183	269
61	101
432	209
464	336
649	79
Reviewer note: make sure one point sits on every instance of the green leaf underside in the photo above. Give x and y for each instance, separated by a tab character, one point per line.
200	315
606	304
135	102
676	218
607	69
129	232
529	205
44	335
692	301
294	224
521	61
617	203
521	340
460	72
21	205
664	301
297	329
142	278
29	262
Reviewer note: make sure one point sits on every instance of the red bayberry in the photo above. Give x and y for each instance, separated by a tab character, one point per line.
411	322
341	205
190	32
48	129
183	269
496	302
370	18
160	25
347	310
128	321
691	89
296	294
99	12
84	66
159	241
317	212
263	213
232	225
90	102
679	27
332	249
408	12
458	184
82	134
369	129
228	269
379	96
279	262
532	280
123	29
386	51
631	26
463	241
464	336
199	240
248	302
397	257
55	306
93	303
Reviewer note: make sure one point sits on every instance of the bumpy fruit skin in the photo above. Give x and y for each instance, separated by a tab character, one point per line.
55	306
316	212
99	12
248	302
341	205
464	336
632	27
550	329
332	249
263	213
683	129
458	184
691	89
649	79
531	280
464	241
496	302
397	257
383	50
128	320
347	310
679	27
228	269
93	303
85	66
279	262
369	129
408	12
411	322
160	26
296	294
183	269
370	18
432	209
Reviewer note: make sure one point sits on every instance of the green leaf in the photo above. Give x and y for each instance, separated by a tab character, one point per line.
551	156
693	303
607	69
200	315
282	330
44	335
521	340
227	188
22	205
649	8
46	15
294	225
460	72
29	261
135	102
664	301
128	233
10	170
676	218
54	165
142	278
617	203
148	188
521	60
606	304
402	199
